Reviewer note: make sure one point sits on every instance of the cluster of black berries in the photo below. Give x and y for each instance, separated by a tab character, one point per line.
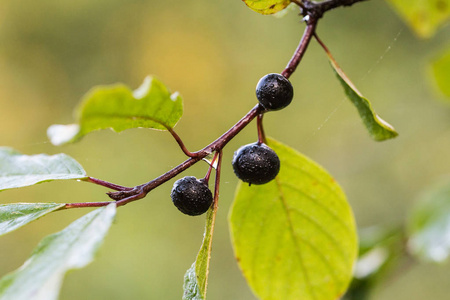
254	163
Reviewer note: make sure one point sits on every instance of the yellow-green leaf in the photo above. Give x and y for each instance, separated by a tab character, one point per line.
294	237
267	7
119	108
423	16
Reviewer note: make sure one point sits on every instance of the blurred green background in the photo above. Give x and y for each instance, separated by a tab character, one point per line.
213	53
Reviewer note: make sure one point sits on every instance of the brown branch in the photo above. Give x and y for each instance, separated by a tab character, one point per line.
317	9
332	4
126	196
180	143
298	2
312	12
301	49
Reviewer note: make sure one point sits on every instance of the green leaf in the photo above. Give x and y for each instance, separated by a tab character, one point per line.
267	7
423	16
119	108
429	224
41	276
294	237
18	170
196	277
13	216
378	129
441	72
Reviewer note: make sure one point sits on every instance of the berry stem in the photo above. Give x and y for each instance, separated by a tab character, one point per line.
216	185
261	134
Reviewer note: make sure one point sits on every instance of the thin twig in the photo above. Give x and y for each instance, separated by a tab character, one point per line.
140	191
301	49
180	143
107	184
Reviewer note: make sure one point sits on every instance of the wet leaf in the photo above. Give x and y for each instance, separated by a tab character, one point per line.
118	108
294	237
19	170
423	16
429	224
378	128
267	7
13	216
41	276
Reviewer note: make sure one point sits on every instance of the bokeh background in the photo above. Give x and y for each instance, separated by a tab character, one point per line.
213	53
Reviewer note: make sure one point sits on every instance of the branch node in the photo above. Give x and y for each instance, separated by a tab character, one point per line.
117	196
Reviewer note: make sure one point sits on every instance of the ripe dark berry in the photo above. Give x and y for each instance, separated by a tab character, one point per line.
274	91
256	163
191	196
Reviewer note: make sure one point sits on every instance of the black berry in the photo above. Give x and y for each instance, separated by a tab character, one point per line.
256	163
274	91
191	196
